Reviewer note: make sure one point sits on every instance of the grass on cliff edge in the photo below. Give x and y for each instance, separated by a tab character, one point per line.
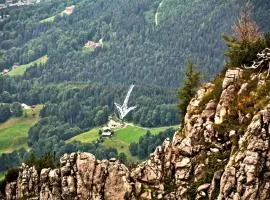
19	70
2	176
121	139
14	132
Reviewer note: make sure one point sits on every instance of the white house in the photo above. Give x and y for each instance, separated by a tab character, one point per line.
24	106
106	132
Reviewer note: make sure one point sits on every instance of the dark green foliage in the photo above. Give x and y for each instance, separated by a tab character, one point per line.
215	93
267	39
189	88
10	176
122	157
136	47
13	159
133	148
242	53
16	109
5	96
4	112
170	185
45	161
148	143
9	110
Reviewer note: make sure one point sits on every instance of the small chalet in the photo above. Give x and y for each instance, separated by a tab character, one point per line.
69	10
24	106
93	45
15	65
5	71
106	132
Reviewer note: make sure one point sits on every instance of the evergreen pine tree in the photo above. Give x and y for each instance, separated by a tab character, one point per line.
188	89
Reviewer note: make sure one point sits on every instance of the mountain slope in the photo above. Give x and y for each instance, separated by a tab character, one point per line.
135	50
221	152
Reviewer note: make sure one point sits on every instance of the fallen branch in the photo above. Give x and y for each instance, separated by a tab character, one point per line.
262	61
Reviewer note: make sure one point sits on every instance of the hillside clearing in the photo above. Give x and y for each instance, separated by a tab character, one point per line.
20	69
67	11
86	137
14	132
121	139
49	19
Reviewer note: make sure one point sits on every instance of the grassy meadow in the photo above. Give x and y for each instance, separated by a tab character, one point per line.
14	132
20	69
121	138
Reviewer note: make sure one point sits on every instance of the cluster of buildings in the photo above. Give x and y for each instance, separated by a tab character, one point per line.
12	3
107	131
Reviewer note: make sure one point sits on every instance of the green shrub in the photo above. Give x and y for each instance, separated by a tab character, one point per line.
45	161
216	91
243	52
189	88
267	39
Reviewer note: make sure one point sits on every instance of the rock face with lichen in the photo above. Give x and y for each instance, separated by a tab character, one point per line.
221	152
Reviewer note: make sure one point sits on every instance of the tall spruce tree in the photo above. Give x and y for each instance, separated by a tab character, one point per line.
189	87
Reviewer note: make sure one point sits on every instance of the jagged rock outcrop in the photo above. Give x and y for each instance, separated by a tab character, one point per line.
221	152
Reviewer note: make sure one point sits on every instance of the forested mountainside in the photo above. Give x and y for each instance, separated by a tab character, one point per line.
136	49
78	57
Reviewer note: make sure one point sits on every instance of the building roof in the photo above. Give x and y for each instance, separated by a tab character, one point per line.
107	133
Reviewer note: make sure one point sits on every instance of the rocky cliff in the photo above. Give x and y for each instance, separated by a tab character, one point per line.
221	152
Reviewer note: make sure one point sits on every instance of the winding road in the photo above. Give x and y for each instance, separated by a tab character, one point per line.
156	15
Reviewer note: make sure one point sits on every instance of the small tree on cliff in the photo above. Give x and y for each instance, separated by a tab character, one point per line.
246	40
188	89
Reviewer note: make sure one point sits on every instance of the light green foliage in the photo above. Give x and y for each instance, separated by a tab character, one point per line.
19	70
121	138
14	132
52	18
2	176
86	137
49	19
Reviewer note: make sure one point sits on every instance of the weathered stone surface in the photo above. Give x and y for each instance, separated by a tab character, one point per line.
210	110
227	97
232	76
